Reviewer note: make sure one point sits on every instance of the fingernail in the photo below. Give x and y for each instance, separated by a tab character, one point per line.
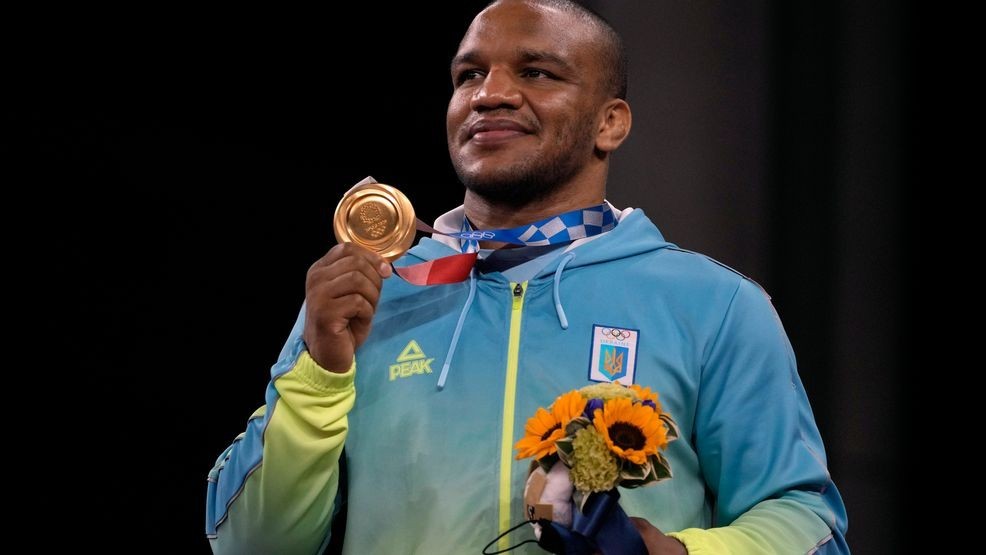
385	270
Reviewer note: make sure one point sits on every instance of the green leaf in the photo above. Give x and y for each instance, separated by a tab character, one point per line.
576	424
662	468
565	444
635	471
547	462
566	450
671	426
580	497
636	475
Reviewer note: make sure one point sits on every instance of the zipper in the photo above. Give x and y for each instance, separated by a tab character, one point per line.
509	401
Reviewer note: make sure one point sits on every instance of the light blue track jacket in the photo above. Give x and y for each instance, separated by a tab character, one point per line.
432	471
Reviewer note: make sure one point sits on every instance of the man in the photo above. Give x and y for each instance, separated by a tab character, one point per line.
537	109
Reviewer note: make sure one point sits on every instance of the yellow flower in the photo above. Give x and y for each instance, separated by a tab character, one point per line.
632	431
645	394
545	428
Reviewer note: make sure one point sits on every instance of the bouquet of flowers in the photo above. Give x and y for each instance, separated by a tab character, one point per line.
595	438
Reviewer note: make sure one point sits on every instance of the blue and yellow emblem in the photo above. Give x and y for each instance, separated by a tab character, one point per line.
613	356
612	362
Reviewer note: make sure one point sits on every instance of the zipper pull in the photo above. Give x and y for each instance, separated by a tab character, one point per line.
518	296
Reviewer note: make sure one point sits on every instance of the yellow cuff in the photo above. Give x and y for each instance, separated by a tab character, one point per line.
321	379
700	542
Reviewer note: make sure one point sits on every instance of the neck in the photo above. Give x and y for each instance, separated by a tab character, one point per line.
484	214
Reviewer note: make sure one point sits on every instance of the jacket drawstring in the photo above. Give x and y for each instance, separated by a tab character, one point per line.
458	329
559	309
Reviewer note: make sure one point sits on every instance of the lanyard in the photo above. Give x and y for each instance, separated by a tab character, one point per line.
563	228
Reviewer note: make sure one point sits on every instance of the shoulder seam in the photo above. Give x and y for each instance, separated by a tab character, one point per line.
722	265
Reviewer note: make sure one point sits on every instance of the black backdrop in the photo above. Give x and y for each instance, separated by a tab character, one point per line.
187	164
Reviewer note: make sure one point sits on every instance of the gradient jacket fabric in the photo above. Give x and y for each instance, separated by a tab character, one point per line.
433	471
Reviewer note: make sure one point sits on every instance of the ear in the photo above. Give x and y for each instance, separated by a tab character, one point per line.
615	125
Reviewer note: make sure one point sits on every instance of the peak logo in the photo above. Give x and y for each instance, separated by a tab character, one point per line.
410	362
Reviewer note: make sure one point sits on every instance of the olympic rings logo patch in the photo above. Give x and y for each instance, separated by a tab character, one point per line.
616	333
613	356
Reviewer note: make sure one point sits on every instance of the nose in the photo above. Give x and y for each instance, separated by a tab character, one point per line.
498	90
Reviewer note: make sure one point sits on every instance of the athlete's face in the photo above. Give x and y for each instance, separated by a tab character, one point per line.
522	118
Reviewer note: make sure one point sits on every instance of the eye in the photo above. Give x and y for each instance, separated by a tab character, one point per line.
534	73
466	75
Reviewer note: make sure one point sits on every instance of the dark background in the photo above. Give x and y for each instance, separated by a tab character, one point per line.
181	169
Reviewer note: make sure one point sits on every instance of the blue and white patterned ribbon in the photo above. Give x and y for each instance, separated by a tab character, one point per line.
563	228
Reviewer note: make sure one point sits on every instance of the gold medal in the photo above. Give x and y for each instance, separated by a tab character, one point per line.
376	217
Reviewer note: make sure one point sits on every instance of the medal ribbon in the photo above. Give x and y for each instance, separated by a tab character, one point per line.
563	228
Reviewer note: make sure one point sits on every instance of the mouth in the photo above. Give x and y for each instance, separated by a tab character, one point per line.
494	131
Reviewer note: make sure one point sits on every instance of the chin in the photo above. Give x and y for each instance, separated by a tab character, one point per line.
515	189
511	180
493	169
491	179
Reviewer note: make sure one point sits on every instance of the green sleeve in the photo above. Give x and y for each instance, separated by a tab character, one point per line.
783	525
286	502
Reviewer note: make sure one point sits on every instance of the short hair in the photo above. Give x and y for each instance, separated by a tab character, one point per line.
613	56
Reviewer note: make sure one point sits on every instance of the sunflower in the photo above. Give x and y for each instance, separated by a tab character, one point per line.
632	431
545	428
645	394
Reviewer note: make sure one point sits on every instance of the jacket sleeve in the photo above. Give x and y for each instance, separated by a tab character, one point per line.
274	489
759	447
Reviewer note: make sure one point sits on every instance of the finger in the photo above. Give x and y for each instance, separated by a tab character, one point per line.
337	319
385	269
360	328
344	266
648	532
643	526
354	282
360	317
356	307
344	250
